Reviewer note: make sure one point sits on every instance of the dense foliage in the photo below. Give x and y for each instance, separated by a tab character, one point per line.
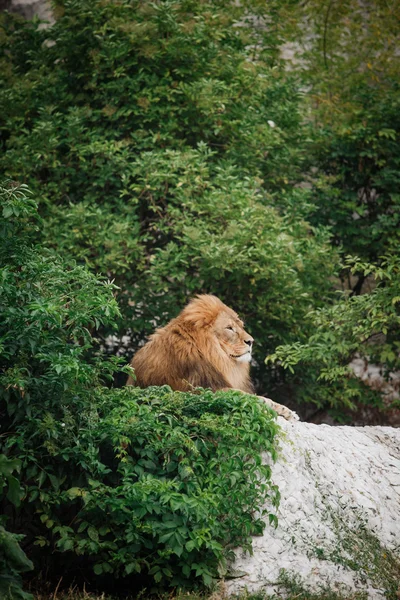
13	561
347	60
365	325
187	485
120	481
166	148
358	191
174	153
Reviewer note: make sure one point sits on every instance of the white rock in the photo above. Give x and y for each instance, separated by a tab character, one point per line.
339	515
31	8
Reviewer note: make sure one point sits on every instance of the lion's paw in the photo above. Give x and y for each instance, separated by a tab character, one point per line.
287	414
282	411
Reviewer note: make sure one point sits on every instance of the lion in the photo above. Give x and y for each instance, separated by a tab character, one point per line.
205	346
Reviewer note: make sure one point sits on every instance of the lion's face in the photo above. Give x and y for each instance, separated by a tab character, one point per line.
234	340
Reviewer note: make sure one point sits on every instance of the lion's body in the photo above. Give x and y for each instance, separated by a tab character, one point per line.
204	346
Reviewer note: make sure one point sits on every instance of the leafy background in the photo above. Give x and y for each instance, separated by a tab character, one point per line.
151	151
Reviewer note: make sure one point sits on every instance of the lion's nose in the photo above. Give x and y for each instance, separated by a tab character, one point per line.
249	342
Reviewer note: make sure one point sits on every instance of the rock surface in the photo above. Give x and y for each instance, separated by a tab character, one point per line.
339	517
29	8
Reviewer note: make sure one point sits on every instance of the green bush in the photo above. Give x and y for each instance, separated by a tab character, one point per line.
358	157
352	169
176	480
13	561
354	126
122	481
367	325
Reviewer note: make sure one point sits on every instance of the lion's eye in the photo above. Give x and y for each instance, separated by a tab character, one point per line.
230	328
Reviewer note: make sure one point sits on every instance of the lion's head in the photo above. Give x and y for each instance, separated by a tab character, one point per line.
208	315
206	345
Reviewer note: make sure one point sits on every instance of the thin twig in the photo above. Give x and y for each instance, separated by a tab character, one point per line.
56	590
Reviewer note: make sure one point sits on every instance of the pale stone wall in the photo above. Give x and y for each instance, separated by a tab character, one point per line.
29	8
339	517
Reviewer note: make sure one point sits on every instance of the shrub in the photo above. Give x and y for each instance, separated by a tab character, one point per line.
13	561
174	481
354	126
367	325
358	158
353	161
124	481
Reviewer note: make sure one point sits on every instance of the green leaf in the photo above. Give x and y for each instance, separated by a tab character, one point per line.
7	211
190	545
74	492
93	533
8	465
14	490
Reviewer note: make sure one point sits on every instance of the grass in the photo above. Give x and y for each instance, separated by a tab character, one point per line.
291	587
74	593
71	594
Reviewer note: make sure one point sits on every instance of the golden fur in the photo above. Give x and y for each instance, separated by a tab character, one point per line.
204	346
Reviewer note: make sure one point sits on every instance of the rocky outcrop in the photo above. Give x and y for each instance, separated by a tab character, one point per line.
29	8
339	517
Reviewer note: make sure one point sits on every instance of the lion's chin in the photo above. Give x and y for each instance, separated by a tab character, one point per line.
244	358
